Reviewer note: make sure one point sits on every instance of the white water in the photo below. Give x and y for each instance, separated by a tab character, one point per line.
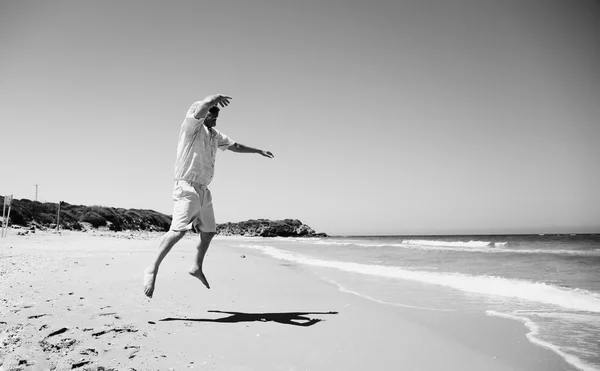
572	299
472	246
533	336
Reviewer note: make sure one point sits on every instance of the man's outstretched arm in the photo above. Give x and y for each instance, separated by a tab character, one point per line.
209	102
240	148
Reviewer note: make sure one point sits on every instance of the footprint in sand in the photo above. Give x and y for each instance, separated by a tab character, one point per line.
136	349
64	345
79	364
89	352
37	316
116	330
57	332
114	315
11	338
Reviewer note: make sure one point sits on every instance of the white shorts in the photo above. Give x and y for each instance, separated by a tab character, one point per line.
192	208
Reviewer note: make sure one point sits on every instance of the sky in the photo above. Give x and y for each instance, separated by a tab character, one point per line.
385	117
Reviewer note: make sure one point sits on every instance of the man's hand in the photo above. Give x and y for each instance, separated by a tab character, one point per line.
266	153
222	100
209	102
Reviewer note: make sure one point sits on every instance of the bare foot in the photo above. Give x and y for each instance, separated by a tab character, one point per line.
149	280
197	272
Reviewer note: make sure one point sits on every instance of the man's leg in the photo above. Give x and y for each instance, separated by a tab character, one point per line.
167	241
196	271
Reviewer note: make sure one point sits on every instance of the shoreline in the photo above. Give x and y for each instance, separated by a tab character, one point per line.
260	313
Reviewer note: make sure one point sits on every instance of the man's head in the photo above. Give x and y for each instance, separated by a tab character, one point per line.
211	118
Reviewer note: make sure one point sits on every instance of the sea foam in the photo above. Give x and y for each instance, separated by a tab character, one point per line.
346	290
573	299
434	243
471	243
533	336
456	246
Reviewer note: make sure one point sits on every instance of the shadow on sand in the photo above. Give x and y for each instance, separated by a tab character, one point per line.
292	318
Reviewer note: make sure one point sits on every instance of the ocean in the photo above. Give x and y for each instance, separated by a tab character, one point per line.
550	283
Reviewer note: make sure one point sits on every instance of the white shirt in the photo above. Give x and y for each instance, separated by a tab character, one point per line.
197	149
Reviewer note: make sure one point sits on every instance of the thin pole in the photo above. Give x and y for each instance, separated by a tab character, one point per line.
3	214
58	217
7	217
36	191
5	220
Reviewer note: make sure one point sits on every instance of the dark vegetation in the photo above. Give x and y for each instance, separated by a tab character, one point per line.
27	213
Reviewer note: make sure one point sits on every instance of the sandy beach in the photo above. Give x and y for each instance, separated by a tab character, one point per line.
75	301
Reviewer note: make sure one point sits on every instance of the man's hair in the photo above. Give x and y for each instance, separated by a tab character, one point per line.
214	110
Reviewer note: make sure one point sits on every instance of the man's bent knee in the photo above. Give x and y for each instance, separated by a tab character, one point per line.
207	236
175	235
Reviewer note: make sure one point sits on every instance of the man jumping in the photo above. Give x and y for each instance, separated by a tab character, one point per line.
194	170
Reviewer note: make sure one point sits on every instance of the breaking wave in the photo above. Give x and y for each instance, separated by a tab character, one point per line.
471	243
573	299
459	246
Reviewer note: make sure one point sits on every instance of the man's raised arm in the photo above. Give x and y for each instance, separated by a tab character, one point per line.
209	102
240	148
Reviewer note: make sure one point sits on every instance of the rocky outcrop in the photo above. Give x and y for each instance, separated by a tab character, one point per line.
268	228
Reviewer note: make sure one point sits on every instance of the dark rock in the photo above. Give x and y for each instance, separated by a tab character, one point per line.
267	228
